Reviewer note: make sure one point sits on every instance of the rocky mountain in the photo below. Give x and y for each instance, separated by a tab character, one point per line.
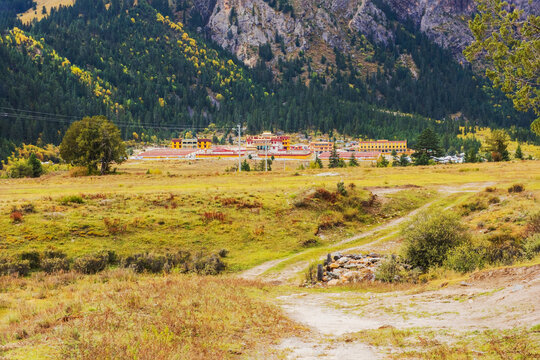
317	26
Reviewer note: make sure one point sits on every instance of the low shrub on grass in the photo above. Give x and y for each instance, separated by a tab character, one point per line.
91	263
17	267
504	248
533	225
72	199
16	217
213	215
466	257
516	188
114	226
429	237
474	205
531	247
152	263
33	257
54	265
207	265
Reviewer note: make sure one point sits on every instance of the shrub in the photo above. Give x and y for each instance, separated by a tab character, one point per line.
466	257
92	263
213	215
429	237
145	262
531	247
330	220
72	199
54	254
14	267
310	275
207	265
223	253
114	226
54	265
20	168
533	226
325	195
33	257
474	205
516	188
504	248
390	270
341	189
16	217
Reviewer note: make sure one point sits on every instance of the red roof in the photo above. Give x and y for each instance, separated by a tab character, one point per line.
167	152
347	155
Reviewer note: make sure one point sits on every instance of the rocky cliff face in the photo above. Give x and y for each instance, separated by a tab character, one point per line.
241	26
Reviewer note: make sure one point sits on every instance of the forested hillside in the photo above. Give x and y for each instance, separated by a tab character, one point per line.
144	69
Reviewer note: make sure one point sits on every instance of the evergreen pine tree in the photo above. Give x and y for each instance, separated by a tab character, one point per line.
518	154
37	168
353	162
334	158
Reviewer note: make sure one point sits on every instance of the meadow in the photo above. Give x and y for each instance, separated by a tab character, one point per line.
160	207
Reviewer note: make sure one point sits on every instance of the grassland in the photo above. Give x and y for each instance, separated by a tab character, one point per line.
257	217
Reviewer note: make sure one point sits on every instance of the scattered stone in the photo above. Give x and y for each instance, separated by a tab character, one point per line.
350	268
463	283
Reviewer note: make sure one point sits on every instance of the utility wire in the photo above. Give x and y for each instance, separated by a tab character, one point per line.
65	119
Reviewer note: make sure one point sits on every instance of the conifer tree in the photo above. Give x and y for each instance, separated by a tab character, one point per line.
353	162
334	158
519	153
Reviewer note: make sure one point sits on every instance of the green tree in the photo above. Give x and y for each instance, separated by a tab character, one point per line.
427	144
471	156
403	160
382	161
245	166
497	145
519	153
352	161
508	43
93	142
37	168
334	158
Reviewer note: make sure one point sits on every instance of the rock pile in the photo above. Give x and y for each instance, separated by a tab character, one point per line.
341	269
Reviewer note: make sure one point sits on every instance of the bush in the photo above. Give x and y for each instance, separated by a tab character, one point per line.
465	258
145	262
390	270
20	168
516	188
474	205
504	248
33	257
16	217
54	265
92	263
531	247
429	237
114	226
72	199
213	215
207	265
14	267
54	254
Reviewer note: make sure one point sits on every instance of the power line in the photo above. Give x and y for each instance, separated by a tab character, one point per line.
64	119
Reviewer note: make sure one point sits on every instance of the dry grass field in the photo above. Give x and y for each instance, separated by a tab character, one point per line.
37	14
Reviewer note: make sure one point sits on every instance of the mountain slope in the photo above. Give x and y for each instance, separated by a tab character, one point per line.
148	72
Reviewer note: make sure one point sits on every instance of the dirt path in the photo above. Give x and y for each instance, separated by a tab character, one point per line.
496	299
